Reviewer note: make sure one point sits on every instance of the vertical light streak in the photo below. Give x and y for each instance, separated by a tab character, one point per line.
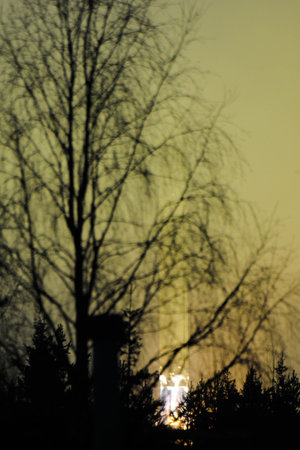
172	393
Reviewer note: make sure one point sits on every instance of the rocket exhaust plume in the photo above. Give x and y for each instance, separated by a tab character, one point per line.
172	392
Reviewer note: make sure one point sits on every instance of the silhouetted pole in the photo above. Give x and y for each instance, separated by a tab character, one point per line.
107	333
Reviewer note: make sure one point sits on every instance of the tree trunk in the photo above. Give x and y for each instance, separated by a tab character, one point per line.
81	383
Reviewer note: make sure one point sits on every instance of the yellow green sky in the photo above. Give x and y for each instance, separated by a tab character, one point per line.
252	49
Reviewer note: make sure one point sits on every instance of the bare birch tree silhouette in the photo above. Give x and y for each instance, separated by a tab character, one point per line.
115	169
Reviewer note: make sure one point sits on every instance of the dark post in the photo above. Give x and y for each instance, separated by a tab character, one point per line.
107	333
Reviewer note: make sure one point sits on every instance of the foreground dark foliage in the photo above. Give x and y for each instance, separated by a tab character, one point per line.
39	404
217	409
38	407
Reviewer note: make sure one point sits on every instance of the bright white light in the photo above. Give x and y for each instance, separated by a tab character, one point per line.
172	393
163	380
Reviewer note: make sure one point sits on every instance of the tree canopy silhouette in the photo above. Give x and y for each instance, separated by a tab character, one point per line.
258	412
115	175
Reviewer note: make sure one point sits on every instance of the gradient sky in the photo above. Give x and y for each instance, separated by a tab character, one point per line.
252	49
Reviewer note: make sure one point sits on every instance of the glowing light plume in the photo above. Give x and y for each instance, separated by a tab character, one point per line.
172	393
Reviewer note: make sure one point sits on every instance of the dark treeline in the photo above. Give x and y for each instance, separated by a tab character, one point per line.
38	407
256	412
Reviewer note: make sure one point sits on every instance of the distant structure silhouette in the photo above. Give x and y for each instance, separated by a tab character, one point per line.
108	334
